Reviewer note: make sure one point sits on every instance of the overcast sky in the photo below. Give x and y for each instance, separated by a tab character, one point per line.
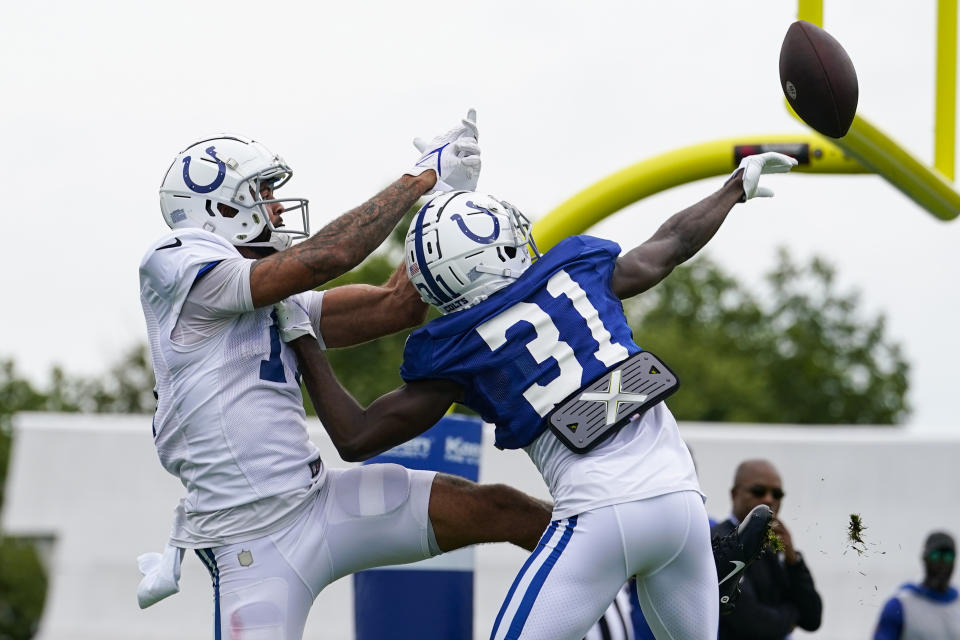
100	96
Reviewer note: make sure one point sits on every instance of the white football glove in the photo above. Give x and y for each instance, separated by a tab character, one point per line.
455	156
293	321
756	165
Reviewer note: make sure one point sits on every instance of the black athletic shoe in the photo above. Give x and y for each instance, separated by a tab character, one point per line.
737	550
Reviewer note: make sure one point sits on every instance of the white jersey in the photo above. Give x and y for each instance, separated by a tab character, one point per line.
925	618
644	459
230	422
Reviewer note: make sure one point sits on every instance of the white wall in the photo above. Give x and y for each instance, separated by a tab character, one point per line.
94	484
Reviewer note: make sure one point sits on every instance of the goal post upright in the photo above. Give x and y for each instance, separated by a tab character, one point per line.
811	11
945	115
865	149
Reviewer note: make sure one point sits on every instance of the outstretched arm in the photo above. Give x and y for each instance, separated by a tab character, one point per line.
356	313
685	233
393	418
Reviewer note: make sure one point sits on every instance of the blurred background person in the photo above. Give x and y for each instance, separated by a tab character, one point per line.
777	592
929	610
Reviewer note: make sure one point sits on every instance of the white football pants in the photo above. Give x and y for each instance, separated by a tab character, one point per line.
363	517
582	562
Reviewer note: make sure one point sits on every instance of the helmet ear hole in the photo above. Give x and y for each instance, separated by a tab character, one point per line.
226	210
511	252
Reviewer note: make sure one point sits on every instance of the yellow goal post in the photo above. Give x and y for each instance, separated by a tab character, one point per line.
865	149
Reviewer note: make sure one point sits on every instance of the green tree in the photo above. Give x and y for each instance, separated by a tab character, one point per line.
23	581
23	589
799	352
126	387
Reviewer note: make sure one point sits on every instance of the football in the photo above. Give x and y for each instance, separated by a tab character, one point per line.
818	79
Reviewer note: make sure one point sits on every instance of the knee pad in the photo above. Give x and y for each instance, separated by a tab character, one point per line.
257	611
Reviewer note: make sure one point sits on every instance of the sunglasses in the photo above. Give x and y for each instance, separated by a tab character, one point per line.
941	556
759	491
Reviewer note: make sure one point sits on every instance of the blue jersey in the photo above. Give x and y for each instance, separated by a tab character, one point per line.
521	352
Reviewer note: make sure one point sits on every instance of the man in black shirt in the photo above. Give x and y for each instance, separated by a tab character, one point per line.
777	594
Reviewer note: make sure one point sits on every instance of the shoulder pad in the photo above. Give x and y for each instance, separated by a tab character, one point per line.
173	261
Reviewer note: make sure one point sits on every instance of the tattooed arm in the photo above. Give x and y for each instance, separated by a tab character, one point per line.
339	246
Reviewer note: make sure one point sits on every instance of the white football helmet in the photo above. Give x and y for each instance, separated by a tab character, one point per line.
463	246
230	170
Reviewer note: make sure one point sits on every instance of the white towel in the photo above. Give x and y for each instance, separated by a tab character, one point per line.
161	575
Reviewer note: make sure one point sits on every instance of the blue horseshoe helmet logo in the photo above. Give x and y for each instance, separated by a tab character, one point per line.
481	239
205	188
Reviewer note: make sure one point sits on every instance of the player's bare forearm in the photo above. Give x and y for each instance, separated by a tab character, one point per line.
689	230
676	241
337	247
358	433
354	314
